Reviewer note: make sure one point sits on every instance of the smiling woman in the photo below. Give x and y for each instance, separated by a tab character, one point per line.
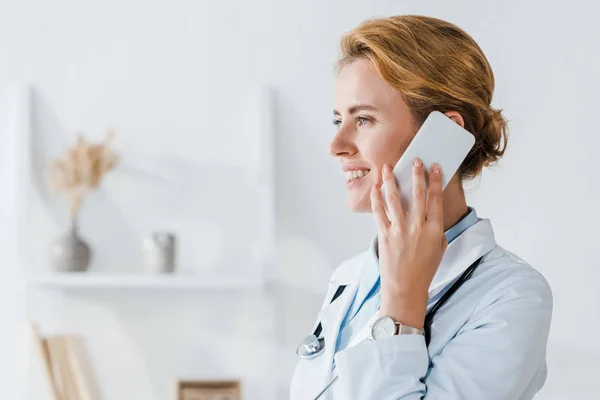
374	128
434	308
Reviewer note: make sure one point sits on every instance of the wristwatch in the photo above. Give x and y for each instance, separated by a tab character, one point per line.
385	327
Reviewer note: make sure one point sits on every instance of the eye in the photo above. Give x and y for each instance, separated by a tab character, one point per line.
362	120
336	122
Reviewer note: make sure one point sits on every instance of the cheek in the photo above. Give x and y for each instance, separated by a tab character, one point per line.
384	147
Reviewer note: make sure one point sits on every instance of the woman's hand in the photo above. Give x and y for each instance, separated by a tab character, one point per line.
411	245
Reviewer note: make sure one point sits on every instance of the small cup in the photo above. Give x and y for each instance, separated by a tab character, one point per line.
159	252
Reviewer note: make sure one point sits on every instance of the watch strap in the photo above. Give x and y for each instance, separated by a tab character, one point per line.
408	330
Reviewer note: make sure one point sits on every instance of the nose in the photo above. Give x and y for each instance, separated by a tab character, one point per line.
342	145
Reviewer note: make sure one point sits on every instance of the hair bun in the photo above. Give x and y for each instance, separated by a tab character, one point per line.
492	138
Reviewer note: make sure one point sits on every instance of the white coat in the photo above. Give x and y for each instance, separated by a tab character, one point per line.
488	342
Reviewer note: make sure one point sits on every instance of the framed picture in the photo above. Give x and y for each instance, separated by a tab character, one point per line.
208	390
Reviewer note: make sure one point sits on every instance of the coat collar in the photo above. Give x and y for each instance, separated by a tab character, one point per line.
473	243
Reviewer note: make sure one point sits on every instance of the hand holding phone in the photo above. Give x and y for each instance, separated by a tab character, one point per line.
439	140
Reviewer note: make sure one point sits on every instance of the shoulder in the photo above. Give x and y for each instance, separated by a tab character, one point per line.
349	268
347	271
508	279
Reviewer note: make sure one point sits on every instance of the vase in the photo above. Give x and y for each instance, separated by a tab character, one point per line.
70	253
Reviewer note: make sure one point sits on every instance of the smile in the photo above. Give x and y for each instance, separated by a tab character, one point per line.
355	175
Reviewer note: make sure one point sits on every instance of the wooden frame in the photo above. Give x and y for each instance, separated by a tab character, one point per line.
208	390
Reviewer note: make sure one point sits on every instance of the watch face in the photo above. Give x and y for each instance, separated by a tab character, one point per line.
383	327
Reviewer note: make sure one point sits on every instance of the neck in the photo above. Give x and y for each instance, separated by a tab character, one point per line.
455	203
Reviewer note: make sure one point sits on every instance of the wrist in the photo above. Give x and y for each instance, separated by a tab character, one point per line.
408	308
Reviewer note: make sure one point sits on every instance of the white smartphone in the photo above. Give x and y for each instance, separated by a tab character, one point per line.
439	140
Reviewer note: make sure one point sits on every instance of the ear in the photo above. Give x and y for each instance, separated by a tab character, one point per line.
456	117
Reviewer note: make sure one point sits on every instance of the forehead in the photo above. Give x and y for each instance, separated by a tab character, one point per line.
359	83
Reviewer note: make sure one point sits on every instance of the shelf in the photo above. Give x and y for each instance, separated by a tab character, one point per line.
83	280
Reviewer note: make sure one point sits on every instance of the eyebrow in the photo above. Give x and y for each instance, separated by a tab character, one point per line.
358	107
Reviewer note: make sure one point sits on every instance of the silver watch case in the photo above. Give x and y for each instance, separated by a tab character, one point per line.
385	327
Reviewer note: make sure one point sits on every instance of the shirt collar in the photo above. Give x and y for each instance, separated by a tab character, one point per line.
462	225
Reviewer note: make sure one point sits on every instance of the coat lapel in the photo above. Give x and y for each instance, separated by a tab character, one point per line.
332	315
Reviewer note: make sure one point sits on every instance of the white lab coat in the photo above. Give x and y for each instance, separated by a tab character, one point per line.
488	342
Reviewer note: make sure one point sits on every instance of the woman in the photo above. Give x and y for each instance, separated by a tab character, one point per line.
488	340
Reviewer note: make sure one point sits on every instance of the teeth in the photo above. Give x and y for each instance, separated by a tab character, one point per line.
351	175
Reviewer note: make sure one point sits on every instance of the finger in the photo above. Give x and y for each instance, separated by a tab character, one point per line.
378	209
392	196
419	190
435	196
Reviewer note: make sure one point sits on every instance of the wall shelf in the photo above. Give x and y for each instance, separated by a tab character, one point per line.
95	281
58	300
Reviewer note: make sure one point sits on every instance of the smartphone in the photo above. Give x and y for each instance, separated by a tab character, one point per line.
439	140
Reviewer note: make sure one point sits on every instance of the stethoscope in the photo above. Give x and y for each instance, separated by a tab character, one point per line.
313	345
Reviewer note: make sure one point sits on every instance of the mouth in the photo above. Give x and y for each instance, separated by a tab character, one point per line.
354	176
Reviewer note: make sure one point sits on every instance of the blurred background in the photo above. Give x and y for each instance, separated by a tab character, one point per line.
221	116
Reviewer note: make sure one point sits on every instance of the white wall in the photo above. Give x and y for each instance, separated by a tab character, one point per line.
167	75
13	347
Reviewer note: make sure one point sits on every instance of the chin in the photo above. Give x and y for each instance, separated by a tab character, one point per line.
362	205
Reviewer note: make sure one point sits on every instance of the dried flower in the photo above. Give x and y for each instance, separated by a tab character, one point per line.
81	169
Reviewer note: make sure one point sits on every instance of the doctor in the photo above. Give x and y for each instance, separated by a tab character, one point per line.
434	308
